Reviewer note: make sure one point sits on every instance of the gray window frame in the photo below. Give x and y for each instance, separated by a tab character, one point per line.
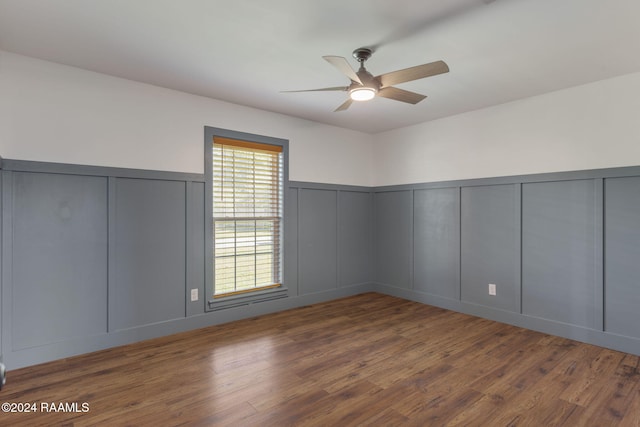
213	304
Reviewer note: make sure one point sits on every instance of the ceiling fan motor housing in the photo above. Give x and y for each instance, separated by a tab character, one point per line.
362	54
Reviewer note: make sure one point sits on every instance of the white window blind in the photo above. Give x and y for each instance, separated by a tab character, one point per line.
247	216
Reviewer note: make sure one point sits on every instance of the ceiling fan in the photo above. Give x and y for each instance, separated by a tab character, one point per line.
364	86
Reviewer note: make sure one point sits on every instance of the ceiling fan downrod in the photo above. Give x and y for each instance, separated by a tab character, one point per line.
362	54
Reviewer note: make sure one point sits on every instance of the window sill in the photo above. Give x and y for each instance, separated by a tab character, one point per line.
232	301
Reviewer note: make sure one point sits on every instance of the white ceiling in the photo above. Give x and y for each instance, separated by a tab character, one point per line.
247	51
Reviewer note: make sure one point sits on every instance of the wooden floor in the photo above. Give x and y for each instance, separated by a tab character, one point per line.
369	360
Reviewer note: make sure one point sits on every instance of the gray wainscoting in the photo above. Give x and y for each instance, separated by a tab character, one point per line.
59	253
195	241
393	226
290	249
490	246
318	240
436	242
355	237
563	250
334	229
98	257
148	265
622	256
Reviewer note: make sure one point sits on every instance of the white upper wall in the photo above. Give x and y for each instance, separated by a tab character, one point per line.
585	127
55	113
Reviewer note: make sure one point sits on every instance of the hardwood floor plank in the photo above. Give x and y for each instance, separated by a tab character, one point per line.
368	359
484	410
583	391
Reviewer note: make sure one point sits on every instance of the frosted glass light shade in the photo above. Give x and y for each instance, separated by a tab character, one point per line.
362	93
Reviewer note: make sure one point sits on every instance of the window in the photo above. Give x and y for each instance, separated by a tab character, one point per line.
247	187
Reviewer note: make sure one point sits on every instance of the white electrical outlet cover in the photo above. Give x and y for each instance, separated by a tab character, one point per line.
194	294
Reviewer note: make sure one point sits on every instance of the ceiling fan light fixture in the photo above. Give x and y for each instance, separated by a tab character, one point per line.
362	93
364	86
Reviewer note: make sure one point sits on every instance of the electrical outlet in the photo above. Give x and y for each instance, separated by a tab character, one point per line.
492	289
194	294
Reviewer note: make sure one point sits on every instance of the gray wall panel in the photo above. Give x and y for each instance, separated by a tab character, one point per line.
318	240
490	245
622	256
59	258
393	212
560	229
355	238
290	252
436	263
195	250
149	283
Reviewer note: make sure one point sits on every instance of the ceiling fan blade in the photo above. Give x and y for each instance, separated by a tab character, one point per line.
401	95
343	66
324	89
413	73
346	104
